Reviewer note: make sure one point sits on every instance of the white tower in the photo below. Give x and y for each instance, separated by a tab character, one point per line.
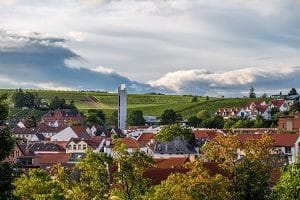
122	107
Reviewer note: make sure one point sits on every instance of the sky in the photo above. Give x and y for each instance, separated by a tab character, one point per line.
198	47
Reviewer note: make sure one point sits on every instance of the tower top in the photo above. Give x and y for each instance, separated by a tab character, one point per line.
122	86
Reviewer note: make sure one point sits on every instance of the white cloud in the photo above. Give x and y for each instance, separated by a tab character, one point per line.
204	81
103	70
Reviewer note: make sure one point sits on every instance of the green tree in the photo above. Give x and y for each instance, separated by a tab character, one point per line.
169	132
130	184
214	122
293	91
8	172
252	93
136	118
251	176
95	117
23	99
113	120
194	99
195	184
194	121
203	115
93	182
288	187
57	103
7	143
169	116
38	185
31	122
3	108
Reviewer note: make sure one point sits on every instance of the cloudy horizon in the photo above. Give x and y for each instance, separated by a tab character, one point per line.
171	46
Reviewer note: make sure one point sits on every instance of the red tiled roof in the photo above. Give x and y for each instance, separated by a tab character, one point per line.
131	143
281	140
170	163
145	138
43	128
262	108
205	134
80	131
52	158
157	175
277	102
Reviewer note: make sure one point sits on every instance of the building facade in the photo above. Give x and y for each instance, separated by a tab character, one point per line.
122	107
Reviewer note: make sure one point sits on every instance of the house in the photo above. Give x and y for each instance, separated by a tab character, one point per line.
146	140
80	145
15	154
43	147
131	144
281	104
256	108
285	143
175	148
290	122
49	131
62	117
30	134
202	136
227	113
72	132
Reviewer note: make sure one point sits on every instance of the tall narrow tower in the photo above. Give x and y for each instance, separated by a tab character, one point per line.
122	107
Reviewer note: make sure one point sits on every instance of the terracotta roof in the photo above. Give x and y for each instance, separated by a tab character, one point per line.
131	143
281	140
43	128
262	108
170	163
52	158
80	131
277	102
145	138
157	175
205	134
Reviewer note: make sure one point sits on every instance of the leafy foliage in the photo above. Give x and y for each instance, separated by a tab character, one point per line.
128	179
136	118
252	93
38	185
170	117
95	117
169	132
288	187
60	103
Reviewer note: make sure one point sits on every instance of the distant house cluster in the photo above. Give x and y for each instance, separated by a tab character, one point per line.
256	108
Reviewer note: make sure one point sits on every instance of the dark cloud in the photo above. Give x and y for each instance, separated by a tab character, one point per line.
38	62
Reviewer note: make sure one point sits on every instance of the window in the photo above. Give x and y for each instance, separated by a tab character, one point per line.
69	146
84	146
74	146
79	146
288	150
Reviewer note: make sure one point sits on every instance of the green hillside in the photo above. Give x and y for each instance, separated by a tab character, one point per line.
150	104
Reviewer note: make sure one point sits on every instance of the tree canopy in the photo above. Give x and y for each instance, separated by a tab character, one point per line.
169	116
169	132
136	118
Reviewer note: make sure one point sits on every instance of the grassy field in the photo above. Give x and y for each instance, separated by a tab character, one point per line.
148	103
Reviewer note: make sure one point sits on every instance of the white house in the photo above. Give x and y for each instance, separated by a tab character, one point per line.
72	132
281	104
285	143
80	145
